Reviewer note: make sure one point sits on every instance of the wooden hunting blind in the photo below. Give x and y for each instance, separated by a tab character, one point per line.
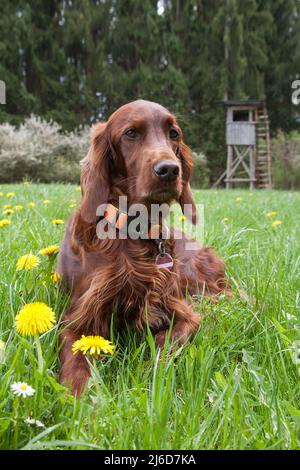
248	145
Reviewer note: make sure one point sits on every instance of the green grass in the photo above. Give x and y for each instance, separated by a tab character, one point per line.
236	386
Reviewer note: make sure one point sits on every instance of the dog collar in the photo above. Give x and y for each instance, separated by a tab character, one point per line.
157	233
120	221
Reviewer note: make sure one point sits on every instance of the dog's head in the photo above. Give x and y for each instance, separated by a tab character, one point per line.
139	152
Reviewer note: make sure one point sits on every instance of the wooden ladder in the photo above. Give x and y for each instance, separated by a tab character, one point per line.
263	149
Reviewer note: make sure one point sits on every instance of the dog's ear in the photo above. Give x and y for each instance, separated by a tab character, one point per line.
186	199
96	173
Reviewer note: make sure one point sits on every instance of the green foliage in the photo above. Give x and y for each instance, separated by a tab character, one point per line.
236	386
200	175
283	43
286	160
76	62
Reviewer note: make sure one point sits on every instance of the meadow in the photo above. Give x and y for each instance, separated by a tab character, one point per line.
235	386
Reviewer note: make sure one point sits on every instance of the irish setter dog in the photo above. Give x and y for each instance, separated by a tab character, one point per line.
138	153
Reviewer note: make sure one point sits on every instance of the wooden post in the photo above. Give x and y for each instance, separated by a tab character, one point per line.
252	169
229	166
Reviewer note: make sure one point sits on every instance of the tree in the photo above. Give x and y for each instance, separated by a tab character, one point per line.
77	61
283	61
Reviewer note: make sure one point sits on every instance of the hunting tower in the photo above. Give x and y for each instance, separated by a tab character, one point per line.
248	145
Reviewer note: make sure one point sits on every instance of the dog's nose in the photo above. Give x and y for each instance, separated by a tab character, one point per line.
167	170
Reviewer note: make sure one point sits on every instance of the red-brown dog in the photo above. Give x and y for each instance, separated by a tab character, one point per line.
138	153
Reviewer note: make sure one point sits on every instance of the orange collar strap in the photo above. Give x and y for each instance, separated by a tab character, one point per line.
119	220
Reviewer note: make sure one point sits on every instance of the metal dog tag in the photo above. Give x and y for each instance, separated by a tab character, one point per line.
164	261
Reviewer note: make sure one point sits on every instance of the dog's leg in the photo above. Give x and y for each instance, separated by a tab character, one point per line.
75	371
204	274
185	323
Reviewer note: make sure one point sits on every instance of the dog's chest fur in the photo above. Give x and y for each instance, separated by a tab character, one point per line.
126	282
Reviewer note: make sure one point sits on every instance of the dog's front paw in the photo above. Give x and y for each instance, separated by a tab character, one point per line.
177	337
160	339
75	380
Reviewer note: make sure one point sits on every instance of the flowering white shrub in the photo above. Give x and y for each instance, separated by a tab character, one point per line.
40	150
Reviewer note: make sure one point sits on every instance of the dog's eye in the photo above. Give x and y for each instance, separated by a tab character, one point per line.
174	134
131	133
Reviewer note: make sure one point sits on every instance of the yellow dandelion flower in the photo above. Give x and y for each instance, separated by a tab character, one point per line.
7	206
72	206
26	183
238	199
18	208
276	223
8	212
56	277
4	223
182	218
57	222
271	214
50	250
1	194
46	201
27	262
226	219
93	345
31	204
10	194
34	319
